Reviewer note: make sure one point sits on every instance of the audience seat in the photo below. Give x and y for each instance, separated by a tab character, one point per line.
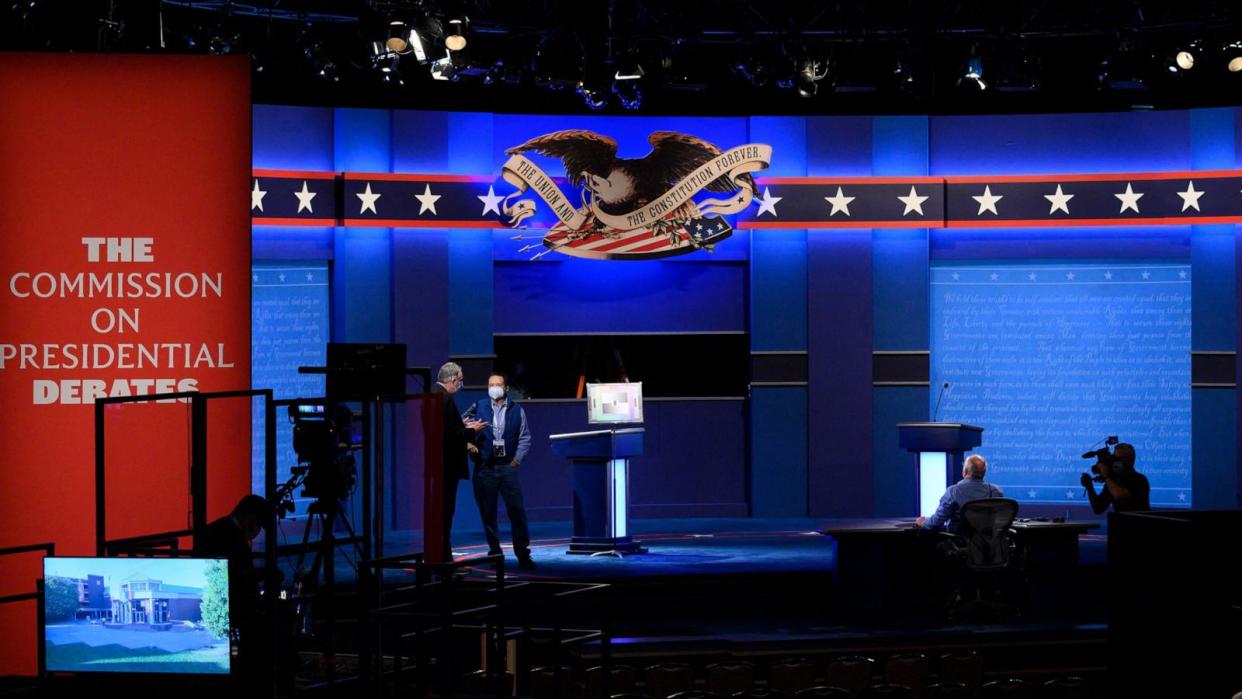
851	672
789	676
966	668
667	679
544	683
910	670
730	676
622	680
1011	688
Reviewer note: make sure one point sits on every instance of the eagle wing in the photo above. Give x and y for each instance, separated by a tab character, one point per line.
675	155
579	151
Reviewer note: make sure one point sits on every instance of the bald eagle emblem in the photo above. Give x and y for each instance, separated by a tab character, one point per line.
631	208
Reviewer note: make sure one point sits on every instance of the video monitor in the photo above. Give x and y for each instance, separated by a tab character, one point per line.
614	403
137	615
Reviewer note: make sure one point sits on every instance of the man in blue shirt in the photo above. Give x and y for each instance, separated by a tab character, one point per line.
971	487
502	447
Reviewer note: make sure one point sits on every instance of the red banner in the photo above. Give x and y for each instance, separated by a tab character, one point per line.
124	270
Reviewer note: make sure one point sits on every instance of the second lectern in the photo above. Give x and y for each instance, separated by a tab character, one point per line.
939	447
601	488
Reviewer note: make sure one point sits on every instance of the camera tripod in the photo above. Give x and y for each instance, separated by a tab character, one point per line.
327	512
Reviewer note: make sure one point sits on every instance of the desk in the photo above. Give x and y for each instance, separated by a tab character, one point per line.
877	561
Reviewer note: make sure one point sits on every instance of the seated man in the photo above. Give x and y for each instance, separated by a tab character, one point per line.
971	487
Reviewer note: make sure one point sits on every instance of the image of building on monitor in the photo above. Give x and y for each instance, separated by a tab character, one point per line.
128	615
614	402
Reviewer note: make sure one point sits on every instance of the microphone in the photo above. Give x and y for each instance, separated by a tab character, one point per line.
936	412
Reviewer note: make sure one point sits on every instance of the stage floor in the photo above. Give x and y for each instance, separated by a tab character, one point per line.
677	548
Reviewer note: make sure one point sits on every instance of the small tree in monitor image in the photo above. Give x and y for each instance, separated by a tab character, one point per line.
62	598
215	607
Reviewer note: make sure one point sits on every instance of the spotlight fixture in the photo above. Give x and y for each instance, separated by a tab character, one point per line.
455	37
400	38
629	92
1186	57
592	98
972	75
753	70
443	69
628	68
808	76
902	78
1233	56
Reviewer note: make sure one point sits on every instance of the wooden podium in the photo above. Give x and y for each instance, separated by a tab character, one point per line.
601	488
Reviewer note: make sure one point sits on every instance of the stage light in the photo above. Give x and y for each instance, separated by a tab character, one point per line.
400	37
972	75
455	39
629	93
1187	57
628	68
806	80
592	98
901	79
1233	56
753	70
443	69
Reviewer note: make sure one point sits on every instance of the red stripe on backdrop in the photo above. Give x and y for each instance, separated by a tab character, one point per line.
154	152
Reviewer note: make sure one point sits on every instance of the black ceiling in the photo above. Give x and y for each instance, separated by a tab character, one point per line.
698	57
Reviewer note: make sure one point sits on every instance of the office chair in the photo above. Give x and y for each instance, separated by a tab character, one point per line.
985	547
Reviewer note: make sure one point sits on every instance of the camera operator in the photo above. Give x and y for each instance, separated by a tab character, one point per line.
1124	488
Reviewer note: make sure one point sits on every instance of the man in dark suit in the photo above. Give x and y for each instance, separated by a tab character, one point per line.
458	440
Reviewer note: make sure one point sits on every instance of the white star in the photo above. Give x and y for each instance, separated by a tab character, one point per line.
309	276
281	277
1129	199
1147	275
1059	200
491	201
995	276
368	200
956	276
1030	493
1069	494
304	198
839	203
427	201
1032	276
913	202
1181	496
767	203
256	197
254	277
1181	274
1069	276
1190	198
1108	275
987	200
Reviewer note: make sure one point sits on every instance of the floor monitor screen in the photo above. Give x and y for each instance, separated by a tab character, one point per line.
137	615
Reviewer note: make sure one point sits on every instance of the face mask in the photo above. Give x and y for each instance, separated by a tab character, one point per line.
496	392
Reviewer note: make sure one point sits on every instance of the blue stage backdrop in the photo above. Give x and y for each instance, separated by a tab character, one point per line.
289	329
818	435
1049	357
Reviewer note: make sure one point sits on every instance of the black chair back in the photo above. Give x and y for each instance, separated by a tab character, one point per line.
985	527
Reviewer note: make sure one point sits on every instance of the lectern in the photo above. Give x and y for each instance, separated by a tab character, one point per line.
939	447
601	488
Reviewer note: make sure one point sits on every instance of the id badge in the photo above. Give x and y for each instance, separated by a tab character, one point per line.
498	449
